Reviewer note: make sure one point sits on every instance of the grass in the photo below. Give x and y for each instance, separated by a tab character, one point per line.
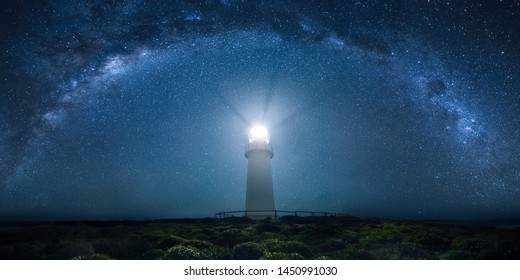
236	238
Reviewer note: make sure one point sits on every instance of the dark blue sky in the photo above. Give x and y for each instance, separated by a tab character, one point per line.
137	110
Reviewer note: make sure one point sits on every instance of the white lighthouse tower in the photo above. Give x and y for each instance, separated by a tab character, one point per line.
259	193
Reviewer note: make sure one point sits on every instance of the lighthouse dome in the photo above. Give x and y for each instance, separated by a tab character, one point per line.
259	133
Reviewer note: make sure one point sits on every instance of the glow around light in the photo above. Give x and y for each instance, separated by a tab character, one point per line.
259	133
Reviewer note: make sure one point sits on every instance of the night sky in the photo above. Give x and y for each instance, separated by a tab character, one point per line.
142	109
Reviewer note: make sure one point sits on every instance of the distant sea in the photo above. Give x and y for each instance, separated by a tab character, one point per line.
501	224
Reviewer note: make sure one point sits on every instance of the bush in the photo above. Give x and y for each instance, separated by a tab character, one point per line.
349	253
33	250
275	245
69	249
472	248
201	236
103	244
382	234
507	249
350	236
181	252
207	249
199	244
291	229
247	251
471	245
129	247
331	245
396	251
153	235
154	254
93	257
266	226
209	232
169	242
281	256
455	255
314	232
226	254
429	238
232	237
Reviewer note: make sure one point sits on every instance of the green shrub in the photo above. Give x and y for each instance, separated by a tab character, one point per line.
382	234
33	250
103	244
169	242
181	252
396	251
455	255
69	249
207	249
429	238
290	219
275	245
472	245
331	245
266	226
232	237
154	254
226	254
128	247
201	236
318	231
93	257
153	236
199	244
268	235
281	256
290	229
489	254
247	251
349	253
507	248
350	236
206	233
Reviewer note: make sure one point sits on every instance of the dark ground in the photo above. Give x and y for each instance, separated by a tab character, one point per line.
238	238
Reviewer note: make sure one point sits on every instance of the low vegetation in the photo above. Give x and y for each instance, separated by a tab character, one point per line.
293	238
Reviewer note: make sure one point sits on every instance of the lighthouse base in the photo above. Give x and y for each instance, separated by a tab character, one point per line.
260	214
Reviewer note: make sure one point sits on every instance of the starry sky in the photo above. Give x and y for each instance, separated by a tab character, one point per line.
141	109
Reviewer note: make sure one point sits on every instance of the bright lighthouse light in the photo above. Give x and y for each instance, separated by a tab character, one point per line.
259	133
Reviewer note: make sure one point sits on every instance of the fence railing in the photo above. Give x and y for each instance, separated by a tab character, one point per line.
274	213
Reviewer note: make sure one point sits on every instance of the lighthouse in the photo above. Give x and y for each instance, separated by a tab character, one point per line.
259	192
